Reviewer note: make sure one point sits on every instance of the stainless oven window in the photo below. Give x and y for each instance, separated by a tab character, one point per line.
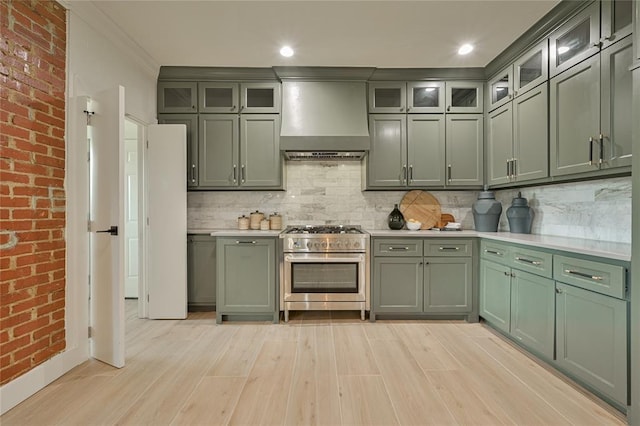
324	277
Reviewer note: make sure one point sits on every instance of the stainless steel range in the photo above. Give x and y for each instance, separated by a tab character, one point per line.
324	268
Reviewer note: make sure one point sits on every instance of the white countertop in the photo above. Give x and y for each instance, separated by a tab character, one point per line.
606	249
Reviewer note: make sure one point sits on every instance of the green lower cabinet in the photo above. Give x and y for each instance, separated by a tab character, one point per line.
201	272
246	283
397	284
533	311
448	284
591	339
495	294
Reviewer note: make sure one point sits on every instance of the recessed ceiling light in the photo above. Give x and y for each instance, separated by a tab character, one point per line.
465	49
563	49
286	51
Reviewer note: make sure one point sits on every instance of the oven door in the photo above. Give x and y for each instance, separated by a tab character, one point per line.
324	277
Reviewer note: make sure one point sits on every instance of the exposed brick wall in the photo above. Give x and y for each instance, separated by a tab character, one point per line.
32	196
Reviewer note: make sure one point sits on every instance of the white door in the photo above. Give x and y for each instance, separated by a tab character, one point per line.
106	139
167	220
131	230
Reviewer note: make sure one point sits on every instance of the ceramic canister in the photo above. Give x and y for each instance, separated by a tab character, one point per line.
520	216
486	212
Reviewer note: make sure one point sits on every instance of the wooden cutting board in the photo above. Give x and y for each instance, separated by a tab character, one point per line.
421	206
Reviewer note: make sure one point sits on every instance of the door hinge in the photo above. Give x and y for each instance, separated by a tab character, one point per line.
90	332
88	114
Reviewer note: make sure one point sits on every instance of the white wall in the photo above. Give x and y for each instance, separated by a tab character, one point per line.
98	58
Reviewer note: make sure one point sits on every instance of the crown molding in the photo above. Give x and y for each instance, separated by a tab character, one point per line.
96	19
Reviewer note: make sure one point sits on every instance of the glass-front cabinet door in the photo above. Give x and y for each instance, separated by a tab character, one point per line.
576	40
425	97
617	17
464	96
219	97
387	97
177	97
501	88
531	69
260	98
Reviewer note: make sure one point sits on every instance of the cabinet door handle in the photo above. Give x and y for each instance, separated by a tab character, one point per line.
508	169
601	141
246	242
583	275
242	174
410	173
235	173
391	248
401	109
493	252
403	174
532	262
233	108
590	150
449	173
449	248
513	167
193	173
449	108
507	274
558	290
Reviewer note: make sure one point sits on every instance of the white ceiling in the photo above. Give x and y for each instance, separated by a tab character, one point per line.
385	34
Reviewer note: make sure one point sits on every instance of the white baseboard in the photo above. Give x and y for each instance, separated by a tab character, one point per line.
21	388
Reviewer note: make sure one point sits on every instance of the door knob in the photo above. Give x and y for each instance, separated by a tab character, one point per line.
113	230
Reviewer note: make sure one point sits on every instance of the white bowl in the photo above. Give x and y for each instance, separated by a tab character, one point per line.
413	226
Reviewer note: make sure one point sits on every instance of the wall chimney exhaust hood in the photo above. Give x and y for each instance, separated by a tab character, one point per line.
324	113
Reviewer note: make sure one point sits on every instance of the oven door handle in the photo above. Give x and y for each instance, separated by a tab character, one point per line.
320	259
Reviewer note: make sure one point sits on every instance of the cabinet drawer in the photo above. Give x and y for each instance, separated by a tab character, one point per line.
595	276
533	261
448	247
495	252
398	247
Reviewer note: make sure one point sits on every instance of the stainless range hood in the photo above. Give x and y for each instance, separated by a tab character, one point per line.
323	119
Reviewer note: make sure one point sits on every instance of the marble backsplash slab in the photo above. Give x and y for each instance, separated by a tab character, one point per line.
330	193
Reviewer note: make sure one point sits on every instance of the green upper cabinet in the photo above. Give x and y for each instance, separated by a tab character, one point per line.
464	97
426	149
177	97
224	97
240	151
260	158
517	148
576	40
500	88
402	97
636	30
191	121
616	104
617	20
590	114
464	149
425	97
387	159
575	118
531	69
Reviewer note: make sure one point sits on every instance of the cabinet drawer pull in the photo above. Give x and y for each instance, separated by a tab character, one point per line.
532	262
398	248
583	275
493	252
245	242
448	248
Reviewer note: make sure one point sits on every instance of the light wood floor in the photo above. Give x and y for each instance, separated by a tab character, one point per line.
321	368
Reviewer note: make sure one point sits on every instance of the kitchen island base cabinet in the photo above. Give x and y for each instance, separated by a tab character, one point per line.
246	284
201	273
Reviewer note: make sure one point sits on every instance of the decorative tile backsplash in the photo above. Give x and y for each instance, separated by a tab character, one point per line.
331	193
